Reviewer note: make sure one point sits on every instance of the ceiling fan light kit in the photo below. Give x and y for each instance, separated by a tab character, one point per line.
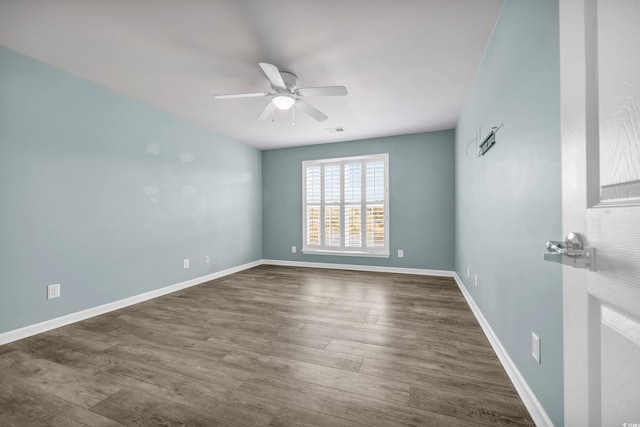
283	102
285	94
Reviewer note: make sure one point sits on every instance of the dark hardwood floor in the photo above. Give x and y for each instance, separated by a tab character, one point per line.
269	346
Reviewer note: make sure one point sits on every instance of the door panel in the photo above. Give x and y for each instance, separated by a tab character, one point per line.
600	91
618	35
620	353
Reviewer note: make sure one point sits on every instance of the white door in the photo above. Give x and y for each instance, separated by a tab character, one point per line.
600	104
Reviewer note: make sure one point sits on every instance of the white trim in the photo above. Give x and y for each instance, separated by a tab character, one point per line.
47	325
531	402
345	253
375	268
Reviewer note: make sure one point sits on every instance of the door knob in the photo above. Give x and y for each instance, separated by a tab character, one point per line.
571	251
571	246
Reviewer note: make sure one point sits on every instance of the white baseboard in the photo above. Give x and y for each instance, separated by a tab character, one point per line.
356	267
531	402
47	325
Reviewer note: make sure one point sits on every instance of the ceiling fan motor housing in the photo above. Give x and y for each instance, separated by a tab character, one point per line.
290	81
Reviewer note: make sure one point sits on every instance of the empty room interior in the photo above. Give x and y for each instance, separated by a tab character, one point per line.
282	213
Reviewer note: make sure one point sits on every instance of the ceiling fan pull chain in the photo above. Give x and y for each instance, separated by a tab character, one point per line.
293	116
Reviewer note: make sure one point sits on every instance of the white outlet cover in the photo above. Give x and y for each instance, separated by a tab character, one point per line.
293	249
207	259
400	253
468	272
476	280
535	346
53	291
186	263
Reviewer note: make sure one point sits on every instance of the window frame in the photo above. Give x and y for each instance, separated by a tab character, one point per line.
342	250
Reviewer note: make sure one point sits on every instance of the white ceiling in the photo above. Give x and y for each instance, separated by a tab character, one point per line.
408	64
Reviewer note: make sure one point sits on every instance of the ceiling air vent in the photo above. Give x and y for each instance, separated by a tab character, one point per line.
335	130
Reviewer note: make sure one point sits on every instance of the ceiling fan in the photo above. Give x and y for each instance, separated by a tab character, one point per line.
286	93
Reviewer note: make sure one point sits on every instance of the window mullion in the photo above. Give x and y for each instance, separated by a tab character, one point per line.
322	208
386	204
305	225
363	204
342	207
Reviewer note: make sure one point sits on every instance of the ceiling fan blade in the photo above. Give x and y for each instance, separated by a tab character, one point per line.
322	91
312	111
267	112
273	74
241	95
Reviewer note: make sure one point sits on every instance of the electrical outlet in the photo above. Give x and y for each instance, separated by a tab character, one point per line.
468	272
400	253
476	280
293	249
53	291
207	259
186	263
535	346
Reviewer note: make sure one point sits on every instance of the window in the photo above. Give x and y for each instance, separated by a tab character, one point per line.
345	206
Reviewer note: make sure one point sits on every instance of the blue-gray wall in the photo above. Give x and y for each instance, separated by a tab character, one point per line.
106	195
421	198
508	203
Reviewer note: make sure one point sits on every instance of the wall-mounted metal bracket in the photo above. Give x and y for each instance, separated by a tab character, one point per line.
487	143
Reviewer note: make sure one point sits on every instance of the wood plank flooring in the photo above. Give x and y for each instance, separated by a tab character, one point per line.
269	346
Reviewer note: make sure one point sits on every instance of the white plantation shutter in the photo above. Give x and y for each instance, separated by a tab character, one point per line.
375	203
353	204
313	198
345	206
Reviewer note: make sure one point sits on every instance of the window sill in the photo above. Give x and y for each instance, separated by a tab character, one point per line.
345	253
